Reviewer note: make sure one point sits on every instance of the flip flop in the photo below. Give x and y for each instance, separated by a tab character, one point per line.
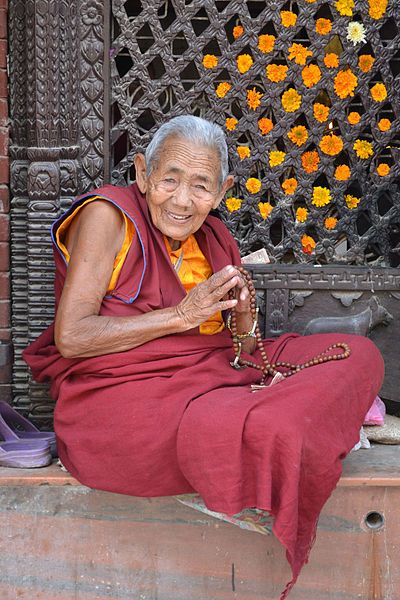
25	455
15	427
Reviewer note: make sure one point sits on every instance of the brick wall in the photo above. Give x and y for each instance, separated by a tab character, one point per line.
5	332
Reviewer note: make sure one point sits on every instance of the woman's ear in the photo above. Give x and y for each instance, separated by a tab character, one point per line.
141	172
228	183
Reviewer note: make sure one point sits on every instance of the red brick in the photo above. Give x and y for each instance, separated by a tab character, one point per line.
4	139
4	170
4	4
4	228
5	336
4	314
3	24
4	199
3	84
3	112
4	286
4	256
3	53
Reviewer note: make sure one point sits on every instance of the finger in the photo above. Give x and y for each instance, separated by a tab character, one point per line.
219	278
225	305
222	290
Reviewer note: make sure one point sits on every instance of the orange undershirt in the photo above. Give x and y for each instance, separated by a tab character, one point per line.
193	270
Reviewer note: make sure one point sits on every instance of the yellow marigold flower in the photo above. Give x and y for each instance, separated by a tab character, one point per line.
237	31
345	7
342	173
299	53
210	61
379	92
288	18
321	196
243	152
253	185
298	135
323	26
301	214
321	112
291	100
384	124
233	204
310	161
276	73
244	62
308	244
231	123
351	201
365	62
377	8
310	1
331	60
276	158
354	117
265	125
331	144
345	83
311	74
222	89
289	185
254	98
330	222
363	149
383	169
266	43
265	209
356	33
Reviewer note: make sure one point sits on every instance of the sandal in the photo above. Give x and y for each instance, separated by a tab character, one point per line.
15	427
25	455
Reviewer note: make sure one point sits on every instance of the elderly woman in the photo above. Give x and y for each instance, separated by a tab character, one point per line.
139	356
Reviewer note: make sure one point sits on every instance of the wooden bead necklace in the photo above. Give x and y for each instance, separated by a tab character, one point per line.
266	367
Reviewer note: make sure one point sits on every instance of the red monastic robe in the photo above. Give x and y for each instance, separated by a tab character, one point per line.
172	416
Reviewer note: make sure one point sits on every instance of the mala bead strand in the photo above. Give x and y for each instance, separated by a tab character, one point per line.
266	367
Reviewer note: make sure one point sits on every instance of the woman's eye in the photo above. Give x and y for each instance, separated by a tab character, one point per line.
201	187
169	180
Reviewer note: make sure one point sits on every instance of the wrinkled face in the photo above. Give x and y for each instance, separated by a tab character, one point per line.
182	188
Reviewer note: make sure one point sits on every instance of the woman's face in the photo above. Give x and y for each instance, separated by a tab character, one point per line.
183	187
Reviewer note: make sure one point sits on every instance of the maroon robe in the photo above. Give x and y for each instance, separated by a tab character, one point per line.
172	416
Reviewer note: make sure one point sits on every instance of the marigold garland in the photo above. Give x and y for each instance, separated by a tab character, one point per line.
379	92
352	201
331	144
321	196
308	244
345	83
377	8
288	18
299	53
230	123
383	169
237	31
276	158
291	100
254	98
311	74
384	124
354	117
253	185
330	222
244	62
298	135
356	33
266	43
210	61
331	60
276	73
301	214
342	173
265	125
222	89
363	149
345	7
310	161
321	112
265	209
365	62
243	152
289	186
233	204
323	26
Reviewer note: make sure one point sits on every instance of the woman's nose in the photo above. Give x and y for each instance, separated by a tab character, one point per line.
182	195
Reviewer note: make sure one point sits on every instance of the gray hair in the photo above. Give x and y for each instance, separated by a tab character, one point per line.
195	130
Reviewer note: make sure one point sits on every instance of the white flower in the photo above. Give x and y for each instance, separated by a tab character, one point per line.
356	33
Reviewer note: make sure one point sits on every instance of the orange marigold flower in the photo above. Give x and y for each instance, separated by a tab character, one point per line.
291	100
330	222
266	43
222	89
379	92
253	185
210	61
310	161
352	201
323	26
345	83
276	73
384	124
301	214
308	244
233	204
265	209
345	7
276	158
237	31
298	135
299	53
365	62
342	173
331	60
254	98
321	196
363	149
377	8
243	152
321	112
244	62
288	18
289	185
311	74
331	144
231	123
383	169
265	125
354	117
310	1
